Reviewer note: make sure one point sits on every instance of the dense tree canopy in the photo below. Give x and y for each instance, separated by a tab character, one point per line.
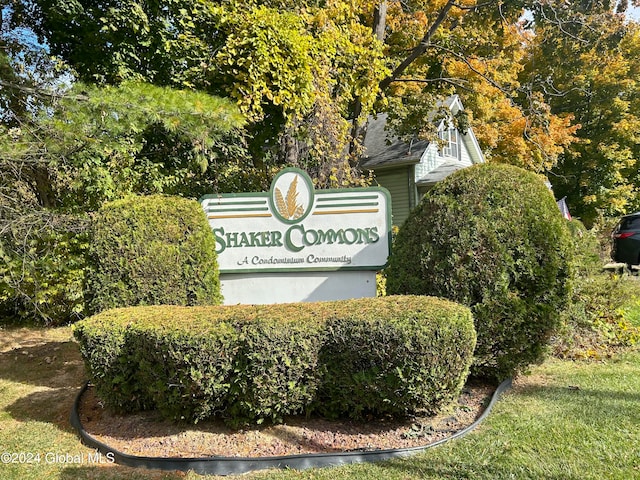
479	53
302	70
591	72
96	144
306	75
293	69
102	99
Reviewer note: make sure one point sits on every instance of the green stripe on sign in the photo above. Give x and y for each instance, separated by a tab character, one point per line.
238	202
349	198
218	210
348	205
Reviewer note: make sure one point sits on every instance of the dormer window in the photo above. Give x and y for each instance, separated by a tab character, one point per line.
449	139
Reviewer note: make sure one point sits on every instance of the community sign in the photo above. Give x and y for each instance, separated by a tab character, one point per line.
293	227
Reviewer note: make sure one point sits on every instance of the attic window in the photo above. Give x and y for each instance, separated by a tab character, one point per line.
449	139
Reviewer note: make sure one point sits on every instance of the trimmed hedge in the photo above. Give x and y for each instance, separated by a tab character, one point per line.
248	364
149	251
394	357
490	237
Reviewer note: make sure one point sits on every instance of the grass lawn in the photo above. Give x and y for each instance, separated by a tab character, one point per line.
565	420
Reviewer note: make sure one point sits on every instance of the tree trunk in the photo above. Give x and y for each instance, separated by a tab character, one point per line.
358	130
42	187
380	20
290	147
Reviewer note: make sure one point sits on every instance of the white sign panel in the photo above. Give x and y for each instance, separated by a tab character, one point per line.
288	287
293	227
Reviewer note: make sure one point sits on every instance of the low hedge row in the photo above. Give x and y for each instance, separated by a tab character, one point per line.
247	364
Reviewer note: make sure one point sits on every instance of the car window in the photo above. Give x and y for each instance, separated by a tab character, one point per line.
631	223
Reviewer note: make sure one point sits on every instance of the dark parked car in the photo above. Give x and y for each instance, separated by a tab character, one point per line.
626	240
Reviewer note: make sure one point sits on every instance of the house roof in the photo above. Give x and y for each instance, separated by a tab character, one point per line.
385	150
439	173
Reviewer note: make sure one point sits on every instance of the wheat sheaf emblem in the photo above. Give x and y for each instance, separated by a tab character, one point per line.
288	207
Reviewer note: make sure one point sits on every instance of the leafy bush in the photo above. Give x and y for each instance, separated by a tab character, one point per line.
183	366
42	269
395	355
490	237
152	250
597	322
602	229
278	361
586	247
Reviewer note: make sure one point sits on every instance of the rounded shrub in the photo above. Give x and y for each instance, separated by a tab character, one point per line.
490	237
152	250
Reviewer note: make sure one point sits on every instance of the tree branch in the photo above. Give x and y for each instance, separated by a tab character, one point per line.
467	62
474	7
456	82
420	49
35	91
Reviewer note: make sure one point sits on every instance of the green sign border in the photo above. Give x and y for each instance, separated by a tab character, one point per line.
315	193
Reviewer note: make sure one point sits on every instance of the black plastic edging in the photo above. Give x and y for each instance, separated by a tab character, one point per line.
217	465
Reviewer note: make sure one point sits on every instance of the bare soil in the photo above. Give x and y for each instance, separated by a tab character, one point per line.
147	434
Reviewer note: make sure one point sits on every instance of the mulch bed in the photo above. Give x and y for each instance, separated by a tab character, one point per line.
147	434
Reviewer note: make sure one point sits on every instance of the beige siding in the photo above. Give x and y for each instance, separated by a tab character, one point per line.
400	186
